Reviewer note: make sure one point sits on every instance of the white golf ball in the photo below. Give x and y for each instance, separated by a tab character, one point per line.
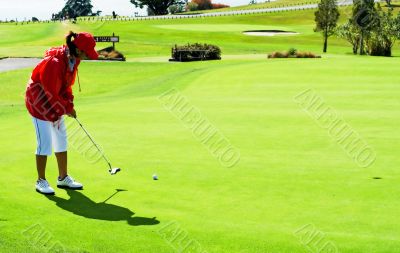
155	177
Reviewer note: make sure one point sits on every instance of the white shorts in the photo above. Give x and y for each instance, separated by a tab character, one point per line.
50	135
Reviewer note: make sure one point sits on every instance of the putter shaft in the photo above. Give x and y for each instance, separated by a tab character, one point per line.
95	144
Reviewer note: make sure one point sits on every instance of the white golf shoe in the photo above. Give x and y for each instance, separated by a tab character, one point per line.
69	183
43	187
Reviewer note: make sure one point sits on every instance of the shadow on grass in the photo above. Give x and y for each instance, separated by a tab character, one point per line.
81	205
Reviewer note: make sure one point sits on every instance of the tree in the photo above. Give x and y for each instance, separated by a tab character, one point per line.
76	8
364	18
326	18
158	7
349	33
389	3
384	34
371	29
150	12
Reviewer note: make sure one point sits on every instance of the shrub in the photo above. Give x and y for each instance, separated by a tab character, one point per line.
192	6
307	55
203	4
278	55
384	35
195	52
176	8
292	53
109	53
219	6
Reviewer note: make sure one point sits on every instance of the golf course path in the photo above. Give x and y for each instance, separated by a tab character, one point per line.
8	64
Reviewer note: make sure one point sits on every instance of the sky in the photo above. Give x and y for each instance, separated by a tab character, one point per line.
42	9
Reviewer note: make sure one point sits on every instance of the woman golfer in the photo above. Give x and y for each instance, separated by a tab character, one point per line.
49	97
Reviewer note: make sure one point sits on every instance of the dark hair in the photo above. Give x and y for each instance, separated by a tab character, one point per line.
71	46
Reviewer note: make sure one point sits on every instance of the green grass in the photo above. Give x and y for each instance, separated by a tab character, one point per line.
279	3
156	37
264	5
291	172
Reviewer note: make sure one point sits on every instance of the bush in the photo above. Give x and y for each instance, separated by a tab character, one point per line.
278	55
300	55
203	4
219	6
195	52
306	55
384	34
173	9
192	6
292	53
109	53
197	5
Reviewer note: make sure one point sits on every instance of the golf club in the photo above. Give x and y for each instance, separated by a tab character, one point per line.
117	190
112	170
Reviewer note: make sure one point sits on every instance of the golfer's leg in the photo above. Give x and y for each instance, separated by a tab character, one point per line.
41	161
60	149
62	161
43	148
59	135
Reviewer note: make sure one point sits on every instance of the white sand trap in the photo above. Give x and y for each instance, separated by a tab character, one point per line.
269	33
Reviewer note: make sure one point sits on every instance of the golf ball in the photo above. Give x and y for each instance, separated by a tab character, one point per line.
155	177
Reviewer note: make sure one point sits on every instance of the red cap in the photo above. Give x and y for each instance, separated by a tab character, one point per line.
86	43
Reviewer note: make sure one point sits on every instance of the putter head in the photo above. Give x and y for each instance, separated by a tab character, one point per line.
114	171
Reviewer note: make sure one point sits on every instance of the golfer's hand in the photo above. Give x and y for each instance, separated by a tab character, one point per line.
72	114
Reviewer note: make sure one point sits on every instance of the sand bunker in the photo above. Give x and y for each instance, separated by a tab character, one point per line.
269	33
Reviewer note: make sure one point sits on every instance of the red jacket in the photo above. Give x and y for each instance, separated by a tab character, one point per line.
49	92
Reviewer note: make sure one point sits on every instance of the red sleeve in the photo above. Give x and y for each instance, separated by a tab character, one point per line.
51	79
69	98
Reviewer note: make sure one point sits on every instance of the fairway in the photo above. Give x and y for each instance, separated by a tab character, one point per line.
291	176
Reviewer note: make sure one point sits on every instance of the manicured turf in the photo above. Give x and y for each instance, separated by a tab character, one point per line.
291	172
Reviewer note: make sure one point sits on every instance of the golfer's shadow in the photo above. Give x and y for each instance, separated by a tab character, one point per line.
81	205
